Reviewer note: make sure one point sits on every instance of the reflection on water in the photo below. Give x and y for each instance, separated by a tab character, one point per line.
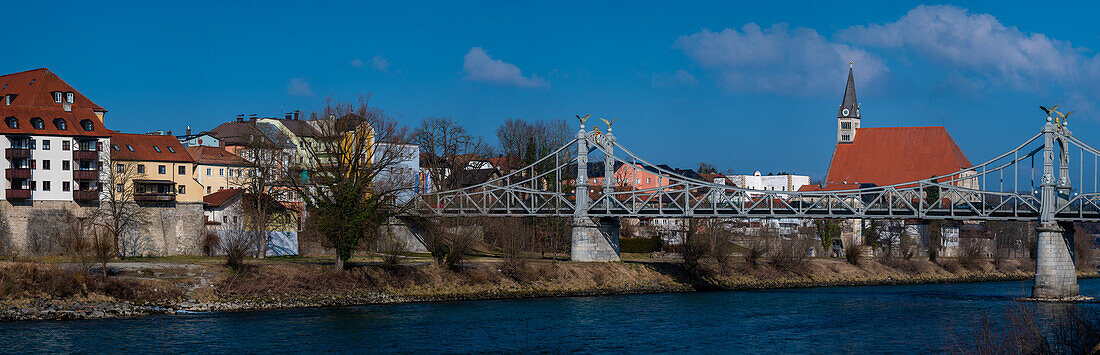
848	319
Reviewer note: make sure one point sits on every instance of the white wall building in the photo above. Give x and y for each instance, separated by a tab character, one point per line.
53	142
756	181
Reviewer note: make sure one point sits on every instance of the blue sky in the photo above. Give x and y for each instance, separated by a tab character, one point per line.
746	86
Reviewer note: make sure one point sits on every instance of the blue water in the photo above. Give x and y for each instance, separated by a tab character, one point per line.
877	319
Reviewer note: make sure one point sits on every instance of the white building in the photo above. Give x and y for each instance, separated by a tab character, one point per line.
756	181
54	139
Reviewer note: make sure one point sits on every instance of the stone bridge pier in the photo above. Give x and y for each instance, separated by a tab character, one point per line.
595	239
1055	273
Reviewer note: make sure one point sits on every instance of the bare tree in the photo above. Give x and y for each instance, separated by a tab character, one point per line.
447	148
530	141
103	245
260	183
118	212
340	187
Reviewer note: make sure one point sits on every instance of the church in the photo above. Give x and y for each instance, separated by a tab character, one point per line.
882	156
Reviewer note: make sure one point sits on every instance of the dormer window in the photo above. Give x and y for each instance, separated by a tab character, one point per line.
170	150
130	147
8	99
38	123
60	124
156	148
87	125
57	96
114	146
69	97
12	122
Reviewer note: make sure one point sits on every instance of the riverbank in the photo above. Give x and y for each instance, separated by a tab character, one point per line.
48	291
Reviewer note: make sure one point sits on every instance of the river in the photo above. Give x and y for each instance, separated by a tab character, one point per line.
876	319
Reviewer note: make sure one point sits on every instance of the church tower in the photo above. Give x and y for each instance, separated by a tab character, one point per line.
847	116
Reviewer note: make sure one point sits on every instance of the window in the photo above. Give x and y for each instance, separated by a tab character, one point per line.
65	145
221	172
115	146
162	170
57	96
65	186
183	170
45	144
38	123
208	190
60	124
156	148
182	189
45	186
845	125
844	137
32	142
65	165
170	150
11	122
69	97
230	172
34	185
131	148
141	168
45	165
120	168
118	188
87	125
33	165
207	171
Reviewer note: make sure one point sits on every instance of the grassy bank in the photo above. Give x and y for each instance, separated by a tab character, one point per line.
200	284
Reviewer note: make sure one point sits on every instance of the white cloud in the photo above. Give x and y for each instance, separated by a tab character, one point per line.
979	44
480	67
380	64
299	87
680	77
358	63
778	59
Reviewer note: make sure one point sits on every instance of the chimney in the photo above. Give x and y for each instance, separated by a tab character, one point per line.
289	115
240	118
296	114
188	130
252	118
169	132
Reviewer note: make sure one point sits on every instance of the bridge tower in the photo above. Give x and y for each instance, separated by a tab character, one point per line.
594	240
1055	273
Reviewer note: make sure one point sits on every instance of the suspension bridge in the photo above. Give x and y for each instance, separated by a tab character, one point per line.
1010	186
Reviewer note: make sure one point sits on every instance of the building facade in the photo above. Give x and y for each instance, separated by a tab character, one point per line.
162	171
217	169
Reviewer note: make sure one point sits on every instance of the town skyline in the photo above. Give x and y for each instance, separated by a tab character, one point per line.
546	68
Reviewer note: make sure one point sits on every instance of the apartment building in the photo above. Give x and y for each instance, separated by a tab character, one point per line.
53	139
162	170
218	169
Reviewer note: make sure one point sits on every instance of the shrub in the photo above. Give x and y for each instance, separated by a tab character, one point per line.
853	253
639	245
793	254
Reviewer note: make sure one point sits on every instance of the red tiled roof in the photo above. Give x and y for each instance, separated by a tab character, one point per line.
893	155
214	156
35	88
34	99
145	148
218	198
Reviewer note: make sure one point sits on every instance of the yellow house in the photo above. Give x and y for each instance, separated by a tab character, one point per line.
302	134
218	169
158	166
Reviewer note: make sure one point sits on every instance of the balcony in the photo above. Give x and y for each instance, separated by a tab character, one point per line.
17	173
85	155
17	153
18	194
154	197
82	195
85	174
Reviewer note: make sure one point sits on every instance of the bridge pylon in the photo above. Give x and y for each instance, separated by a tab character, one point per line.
593	239
1055	270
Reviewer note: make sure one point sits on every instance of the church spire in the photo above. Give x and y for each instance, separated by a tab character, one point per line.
847	116
849	107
